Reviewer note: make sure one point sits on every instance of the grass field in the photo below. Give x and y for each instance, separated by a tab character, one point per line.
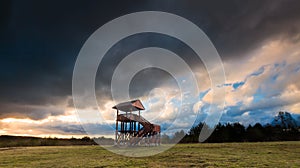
267	154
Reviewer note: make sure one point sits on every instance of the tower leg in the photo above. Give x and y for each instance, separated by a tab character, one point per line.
116	136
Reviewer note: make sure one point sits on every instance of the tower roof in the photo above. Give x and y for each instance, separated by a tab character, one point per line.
133	105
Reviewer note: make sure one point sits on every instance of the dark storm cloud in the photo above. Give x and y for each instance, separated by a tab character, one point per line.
146	79
10	110
236	27
40	40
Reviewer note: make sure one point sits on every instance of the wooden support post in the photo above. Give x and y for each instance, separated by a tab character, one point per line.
122	127
139	122
130	123
135	126
116	136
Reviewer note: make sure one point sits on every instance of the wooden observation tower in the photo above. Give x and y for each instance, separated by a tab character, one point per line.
132	129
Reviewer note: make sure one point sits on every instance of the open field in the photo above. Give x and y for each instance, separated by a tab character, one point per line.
265	154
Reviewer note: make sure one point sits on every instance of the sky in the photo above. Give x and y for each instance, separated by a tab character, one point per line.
258	42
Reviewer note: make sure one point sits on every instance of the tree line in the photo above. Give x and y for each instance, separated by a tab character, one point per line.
230	132
15	141
236	132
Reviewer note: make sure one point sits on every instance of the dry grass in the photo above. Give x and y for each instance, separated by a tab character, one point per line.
266	154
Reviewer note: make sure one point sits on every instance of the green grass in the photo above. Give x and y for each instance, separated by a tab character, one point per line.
266	154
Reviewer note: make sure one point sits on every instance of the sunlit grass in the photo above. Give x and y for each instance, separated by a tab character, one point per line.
265	154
